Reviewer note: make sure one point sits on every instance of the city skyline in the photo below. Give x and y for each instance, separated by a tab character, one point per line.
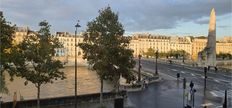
172	17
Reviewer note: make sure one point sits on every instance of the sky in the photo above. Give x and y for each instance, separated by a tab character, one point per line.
164	17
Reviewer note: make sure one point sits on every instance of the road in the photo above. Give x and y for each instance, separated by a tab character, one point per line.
213	96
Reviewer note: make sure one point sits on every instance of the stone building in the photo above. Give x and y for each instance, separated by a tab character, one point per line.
181	43
68	42
224	47
198	44
139	43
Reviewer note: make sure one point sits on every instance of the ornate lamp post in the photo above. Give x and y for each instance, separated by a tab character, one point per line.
75	45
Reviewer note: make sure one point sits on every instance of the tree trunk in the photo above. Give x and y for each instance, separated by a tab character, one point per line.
38	96
101	92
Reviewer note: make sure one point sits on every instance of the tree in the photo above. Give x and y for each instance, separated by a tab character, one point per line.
34	59
106	49
184	54
150	52
6	37
224	55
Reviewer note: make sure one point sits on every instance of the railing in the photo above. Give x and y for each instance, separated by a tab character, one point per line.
60	101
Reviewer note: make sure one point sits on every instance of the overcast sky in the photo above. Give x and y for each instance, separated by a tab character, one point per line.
167	17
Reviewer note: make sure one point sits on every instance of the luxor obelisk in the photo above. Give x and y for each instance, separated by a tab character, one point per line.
211	42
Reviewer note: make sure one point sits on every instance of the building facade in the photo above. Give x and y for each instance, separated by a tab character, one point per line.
139	43
68	42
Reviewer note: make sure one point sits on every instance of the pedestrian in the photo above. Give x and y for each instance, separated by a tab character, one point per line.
144	86
14	99
146	83
216	69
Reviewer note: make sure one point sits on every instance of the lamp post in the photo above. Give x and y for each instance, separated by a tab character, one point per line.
75	45
184	87
156	57
205	71
193	92
139	69
225	100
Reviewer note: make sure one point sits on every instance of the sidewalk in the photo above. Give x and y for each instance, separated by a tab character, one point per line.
107	103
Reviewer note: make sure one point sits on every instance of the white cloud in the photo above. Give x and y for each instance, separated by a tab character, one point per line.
136	15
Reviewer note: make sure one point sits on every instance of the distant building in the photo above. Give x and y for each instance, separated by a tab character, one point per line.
226	39
139	43
68	42
21	33
198	44
181	43
224	47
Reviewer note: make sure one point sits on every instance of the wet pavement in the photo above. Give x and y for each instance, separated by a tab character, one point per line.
168	93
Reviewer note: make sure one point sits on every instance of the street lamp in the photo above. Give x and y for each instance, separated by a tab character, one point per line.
156	57
184	87
193	92
75	45
139	69
225	100
205	71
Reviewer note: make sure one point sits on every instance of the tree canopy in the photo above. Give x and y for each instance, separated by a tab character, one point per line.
106	49
150	52
33	58
224	55
6	37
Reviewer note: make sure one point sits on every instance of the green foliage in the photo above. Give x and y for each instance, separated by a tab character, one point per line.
38	51
178	53
150	52
33	58
224	55
106	49
6	37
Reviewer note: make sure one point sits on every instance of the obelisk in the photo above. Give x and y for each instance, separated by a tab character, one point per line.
211	43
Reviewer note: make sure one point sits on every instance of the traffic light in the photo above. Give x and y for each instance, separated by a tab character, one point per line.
191	85
178	75
205	69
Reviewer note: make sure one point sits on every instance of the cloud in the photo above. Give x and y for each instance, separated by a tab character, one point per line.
135	15
224	26
202	21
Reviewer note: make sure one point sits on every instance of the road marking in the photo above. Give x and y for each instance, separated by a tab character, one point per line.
202	77
221	93
207	104
220	106
193	74
182	72
174	69
220	80
214	94
216	80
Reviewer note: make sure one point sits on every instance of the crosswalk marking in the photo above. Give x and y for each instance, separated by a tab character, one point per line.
193	74
221	93
214	94
182	72
220	106
207	104
216	80
174	69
